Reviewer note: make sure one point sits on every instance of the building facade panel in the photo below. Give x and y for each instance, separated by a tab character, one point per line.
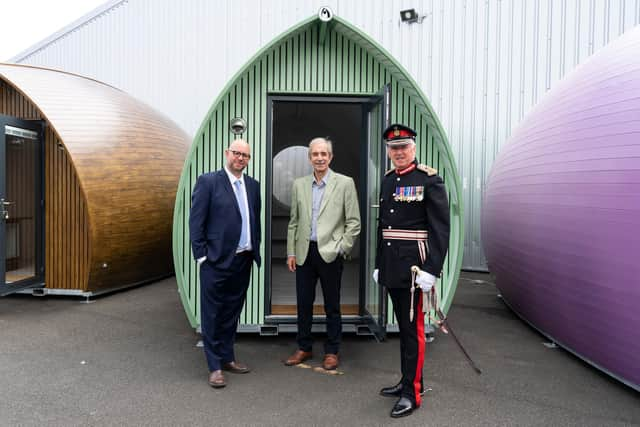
482	64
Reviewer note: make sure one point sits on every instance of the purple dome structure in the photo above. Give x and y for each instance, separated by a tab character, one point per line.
561	213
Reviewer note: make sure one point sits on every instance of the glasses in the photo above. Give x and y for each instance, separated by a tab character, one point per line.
240	154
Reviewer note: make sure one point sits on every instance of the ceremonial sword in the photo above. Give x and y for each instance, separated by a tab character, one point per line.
443	323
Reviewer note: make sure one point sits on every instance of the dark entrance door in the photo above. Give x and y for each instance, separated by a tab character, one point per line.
21	205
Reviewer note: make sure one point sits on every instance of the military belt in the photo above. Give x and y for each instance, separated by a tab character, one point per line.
413	235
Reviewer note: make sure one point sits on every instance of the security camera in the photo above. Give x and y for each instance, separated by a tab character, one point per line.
238	125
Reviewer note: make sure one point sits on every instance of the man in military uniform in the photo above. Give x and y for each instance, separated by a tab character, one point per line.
413	229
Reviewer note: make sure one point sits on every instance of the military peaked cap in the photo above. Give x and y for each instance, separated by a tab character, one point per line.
396	135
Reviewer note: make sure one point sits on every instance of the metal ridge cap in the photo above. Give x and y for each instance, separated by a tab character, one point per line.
80	22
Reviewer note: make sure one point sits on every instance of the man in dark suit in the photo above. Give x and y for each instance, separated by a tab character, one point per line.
224	227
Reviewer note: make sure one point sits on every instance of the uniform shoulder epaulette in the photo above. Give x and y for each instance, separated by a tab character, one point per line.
389	171
427	169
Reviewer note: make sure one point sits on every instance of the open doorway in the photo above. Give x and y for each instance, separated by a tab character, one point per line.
295	121
21	204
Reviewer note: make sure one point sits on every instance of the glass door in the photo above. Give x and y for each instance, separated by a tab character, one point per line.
373	296
21	205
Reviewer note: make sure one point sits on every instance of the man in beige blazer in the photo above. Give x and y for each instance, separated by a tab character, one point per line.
325	221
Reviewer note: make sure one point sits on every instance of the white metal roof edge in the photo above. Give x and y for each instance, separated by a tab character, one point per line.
111	4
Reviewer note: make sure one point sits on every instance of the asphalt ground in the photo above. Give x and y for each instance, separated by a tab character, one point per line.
130	358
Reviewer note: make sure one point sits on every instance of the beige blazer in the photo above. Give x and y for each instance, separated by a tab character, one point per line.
338	219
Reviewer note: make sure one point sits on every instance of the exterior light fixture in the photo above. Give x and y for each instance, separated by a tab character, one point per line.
410	16
238	126
325	14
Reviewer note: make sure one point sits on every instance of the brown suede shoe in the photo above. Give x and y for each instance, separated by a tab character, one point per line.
236	367
216	379
330	362
298	357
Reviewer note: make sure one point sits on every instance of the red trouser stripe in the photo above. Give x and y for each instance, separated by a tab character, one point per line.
421	344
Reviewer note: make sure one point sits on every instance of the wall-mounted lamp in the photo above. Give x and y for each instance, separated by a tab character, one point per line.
325	14
238	125
410	16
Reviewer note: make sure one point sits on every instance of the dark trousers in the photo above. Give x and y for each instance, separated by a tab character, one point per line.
307	276
412	341
222	295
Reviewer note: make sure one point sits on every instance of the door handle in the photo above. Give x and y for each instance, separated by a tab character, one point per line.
3	211
375	206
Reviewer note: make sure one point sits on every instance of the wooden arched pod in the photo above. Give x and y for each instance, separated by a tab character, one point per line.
111	172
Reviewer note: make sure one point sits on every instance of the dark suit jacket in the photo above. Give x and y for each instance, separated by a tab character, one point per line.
215	222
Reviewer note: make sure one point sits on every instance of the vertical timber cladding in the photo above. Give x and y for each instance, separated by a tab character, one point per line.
302	61
66	222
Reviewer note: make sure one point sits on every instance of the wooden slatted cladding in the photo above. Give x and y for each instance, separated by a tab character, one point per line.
66	223
111	172
67	248
345	62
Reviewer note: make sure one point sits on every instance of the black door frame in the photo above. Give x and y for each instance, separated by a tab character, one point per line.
37	280
377	323
364	102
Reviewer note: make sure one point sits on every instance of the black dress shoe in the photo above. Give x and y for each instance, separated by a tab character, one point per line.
393	391
402	408
396	390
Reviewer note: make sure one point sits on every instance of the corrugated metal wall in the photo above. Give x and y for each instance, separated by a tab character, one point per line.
483	64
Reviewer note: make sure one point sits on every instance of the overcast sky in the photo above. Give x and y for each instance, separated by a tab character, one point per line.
26	22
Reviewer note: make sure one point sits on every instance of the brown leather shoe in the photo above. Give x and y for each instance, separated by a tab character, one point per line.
298	357
330	362
216	379
236	367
